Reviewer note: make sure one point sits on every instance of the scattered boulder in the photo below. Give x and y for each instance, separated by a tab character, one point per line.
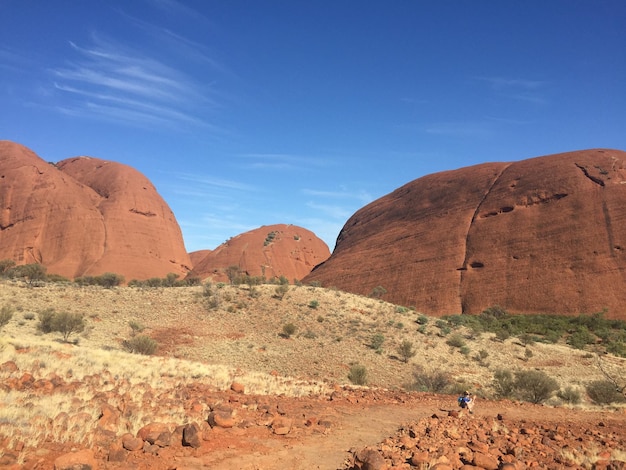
83	460
192	436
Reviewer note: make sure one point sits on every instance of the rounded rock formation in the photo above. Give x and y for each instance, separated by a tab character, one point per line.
269	251
543	235
85	216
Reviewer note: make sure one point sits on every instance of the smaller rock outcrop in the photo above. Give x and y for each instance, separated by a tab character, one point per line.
269	251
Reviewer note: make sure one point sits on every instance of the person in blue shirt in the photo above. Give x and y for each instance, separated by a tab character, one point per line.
467	401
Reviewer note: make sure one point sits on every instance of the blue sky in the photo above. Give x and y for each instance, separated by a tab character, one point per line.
250	113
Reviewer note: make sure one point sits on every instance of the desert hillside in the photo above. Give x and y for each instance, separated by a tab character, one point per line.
244	327
222	349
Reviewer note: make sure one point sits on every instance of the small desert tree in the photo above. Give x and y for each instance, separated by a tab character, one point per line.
32	273
232	272
5	265
68	323
604	392
170	280
406	350
46	318
534	386
503	383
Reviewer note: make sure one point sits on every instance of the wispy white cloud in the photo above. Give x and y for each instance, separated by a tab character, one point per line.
519	89
109	80
332	211
281	161
460	129
360	195
208	181
520	83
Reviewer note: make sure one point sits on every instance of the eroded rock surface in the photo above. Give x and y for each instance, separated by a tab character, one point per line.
270	251
85	216
543	235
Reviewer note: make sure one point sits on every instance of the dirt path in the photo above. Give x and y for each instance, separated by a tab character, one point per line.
356	426
353	427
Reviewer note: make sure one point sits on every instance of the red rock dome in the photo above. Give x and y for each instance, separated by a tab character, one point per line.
85	216
270	251
543	235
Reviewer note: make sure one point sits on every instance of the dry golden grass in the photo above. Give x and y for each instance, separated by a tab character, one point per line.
241	341
244	334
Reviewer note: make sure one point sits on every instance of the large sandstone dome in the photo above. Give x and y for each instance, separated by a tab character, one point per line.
543	235
85	216
270	251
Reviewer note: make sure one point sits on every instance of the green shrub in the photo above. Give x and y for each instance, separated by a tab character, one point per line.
378	292
314	304
503	383
569	395
280	291
406	350
109	280
580	338
154	282
604	392
6	313
136	327
617	348
289	329
5	265
46	318
377	341
534	386
527	339
502	334
68	323
465	350
56	278
528	353
61	322
170	280
456	341
422	320
358	374
435	381
141	344
32	273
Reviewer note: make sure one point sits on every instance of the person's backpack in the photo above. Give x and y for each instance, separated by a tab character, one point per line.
462	402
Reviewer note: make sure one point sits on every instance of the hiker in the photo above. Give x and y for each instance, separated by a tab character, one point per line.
467	401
